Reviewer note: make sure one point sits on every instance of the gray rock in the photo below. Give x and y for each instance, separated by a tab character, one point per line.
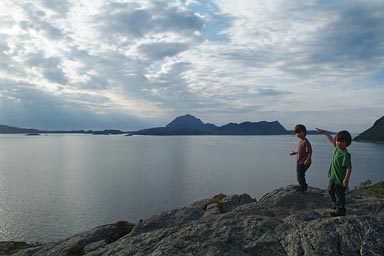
10	247
94	246
84	242
283	222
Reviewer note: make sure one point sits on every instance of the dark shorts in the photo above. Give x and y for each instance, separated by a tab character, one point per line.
337	195
300	172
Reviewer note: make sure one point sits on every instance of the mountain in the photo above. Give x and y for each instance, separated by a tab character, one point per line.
190	125
189	122
10	130
252	128
5	129
182	125
373	134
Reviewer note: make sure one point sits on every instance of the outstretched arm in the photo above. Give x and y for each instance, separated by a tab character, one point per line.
329	137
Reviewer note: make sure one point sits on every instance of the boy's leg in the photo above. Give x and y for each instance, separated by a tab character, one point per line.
300	171
340	199
332	193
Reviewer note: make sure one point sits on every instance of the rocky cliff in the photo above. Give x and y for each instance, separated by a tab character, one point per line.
10	130
373	134
283	222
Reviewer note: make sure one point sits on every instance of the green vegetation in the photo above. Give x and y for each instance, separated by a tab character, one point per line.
124	227
215	200
364	184
376	190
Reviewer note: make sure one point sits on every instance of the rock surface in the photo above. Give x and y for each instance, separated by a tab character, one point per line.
283	222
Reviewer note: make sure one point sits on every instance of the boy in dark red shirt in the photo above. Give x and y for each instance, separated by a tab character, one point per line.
303	159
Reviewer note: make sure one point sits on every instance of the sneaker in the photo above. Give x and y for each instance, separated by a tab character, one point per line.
301	189
337	213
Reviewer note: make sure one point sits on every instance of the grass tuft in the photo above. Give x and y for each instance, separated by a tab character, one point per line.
216	199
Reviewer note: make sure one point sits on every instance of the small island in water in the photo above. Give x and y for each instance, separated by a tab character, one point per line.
283	222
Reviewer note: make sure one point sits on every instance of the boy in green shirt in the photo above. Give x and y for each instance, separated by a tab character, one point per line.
339	170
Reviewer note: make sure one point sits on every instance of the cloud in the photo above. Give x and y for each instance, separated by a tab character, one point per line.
51	67
36	19
354	35
218	59
22	104
269	91
158	51
309	39
140	19
61	7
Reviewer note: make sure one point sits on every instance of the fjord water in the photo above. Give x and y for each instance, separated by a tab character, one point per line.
55	186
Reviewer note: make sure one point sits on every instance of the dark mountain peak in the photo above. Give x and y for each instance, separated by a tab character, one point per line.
11	129
373	134
252	128
379	122
189	122
185	120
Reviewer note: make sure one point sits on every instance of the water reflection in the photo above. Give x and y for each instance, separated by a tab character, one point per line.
57	185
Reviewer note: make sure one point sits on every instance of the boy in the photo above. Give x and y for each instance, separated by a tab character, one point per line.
339	170
303	159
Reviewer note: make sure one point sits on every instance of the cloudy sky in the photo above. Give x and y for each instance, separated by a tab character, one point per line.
129	65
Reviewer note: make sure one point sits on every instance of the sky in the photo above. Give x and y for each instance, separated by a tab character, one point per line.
132	65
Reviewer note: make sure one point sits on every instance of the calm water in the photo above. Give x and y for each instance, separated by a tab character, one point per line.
58	185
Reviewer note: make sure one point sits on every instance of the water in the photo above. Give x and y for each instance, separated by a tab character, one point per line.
55	186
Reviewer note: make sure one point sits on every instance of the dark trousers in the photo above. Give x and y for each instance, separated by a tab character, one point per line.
337	194
300	172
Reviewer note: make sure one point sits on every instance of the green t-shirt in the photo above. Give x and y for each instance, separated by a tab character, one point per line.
340	162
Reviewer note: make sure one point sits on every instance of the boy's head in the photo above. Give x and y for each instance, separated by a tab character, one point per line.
344	136
300	128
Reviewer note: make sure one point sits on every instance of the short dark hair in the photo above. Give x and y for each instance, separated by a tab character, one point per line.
344	136
300	128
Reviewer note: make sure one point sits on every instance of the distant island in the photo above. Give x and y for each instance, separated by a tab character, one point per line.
191	125
373	134
5	129
182	125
